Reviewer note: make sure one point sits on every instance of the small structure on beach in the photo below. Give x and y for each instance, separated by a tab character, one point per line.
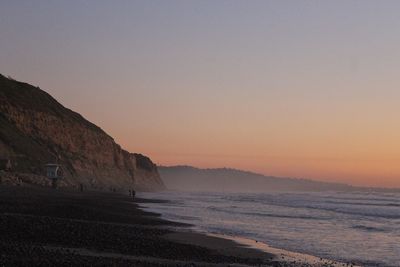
54	173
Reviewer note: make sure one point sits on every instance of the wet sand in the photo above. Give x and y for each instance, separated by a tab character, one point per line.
47	227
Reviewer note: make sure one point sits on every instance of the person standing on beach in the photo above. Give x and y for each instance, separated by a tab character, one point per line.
133	194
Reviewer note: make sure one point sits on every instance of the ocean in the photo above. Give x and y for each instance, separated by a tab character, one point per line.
359	227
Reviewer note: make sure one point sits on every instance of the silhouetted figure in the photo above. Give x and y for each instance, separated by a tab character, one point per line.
8	166
133	194
54	183
81	187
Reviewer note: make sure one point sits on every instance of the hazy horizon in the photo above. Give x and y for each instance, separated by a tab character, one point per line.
282	88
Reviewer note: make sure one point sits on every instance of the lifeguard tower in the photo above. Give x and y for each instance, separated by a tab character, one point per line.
54	173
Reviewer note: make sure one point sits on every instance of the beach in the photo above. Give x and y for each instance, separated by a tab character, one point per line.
46	227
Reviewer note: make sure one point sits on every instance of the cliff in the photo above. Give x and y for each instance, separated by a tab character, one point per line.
35	130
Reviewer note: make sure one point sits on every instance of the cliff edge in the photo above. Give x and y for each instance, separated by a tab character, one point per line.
35	130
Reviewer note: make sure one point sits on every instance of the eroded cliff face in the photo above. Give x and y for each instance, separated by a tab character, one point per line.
36	129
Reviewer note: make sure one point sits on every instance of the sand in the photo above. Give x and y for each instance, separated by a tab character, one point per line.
47	227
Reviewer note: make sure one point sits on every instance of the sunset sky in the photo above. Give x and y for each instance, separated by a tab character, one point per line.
287	88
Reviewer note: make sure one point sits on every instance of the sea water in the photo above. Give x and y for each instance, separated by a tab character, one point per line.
361	227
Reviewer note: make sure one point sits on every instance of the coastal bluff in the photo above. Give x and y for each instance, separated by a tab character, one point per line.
35	130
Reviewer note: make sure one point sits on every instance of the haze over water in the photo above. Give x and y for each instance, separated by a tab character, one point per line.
284	88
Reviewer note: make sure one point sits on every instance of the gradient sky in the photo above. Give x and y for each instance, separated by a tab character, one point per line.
286	88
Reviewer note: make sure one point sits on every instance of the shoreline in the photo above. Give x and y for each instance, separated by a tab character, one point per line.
235	245
285	255
239	244
46	227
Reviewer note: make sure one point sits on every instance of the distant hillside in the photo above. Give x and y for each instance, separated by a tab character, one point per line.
35	129
193	179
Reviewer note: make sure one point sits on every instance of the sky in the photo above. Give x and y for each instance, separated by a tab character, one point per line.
307	89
